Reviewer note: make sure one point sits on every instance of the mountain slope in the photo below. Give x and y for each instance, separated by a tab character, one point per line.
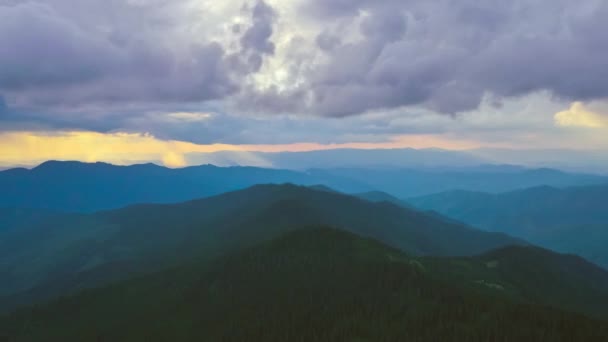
311	285
379	196
15	217
531	274
572	220
72	252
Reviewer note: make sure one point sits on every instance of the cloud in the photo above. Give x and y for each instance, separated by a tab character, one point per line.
3	105
277	72
360	56
189	116
112	55
32	148
580	116
447	56
257	37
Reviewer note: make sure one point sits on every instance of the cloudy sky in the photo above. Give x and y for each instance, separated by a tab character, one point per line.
136	80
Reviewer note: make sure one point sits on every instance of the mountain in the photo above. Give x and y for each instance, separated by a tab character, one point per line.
529	273
71	252
573	160
315	284
379	196
82	187
594	161
403	183
370	159
571	220
16	217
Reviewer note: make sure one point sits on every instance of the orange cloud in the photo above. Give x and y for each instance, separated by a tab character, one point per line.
30	148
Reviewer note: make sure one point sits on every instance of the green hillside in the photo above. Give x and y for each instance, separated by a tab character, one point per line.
311	285
72	252
531	274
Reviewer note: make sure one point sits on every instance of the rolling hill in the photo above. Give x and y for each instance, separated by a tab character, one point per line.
314	284
571	220
74	251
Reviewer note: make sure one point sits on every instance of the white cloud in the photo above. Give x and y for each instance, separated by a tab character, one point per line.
189	116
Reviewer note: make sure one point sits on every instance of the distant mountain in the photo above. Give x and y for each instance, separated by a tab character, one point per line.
70	252
321	284
82	187
370	159
572	220
573	160
403	183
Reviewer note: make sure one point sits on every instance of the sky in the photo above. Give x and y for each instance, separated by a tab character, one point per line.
129	81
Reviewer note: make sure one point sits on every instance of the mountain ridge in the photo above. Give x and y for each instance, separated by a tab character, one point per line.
147	237
316	283
89	187
572	220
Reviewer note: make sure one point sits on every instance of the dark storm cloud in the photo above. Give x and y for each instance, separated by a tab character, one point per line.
446	55
106	65
256	41
40	49
57	54
257	37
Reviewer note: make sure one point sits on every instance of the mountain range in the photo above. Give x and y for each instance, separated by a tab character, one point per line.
321	284
81	187
73	251
571	220
96	252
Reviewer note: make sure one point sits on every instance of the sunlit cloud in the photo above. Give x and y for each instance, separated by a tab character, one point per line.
31	148
580	116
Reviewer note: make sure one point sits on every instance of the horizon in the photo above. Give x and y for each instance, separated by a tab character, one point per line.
475	166
163	81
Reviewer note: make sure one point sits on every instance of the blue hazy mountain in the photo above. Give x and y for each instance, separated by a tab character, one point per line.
81	187
75	186
404	183
589	161
373	158
573	220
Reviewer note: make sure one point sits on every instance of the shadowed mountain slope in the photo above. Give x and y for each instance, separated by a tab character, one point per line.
314	284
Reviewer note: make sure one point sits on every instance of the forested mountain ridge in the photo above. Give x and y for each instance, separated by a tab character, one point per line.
313	284
76	251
